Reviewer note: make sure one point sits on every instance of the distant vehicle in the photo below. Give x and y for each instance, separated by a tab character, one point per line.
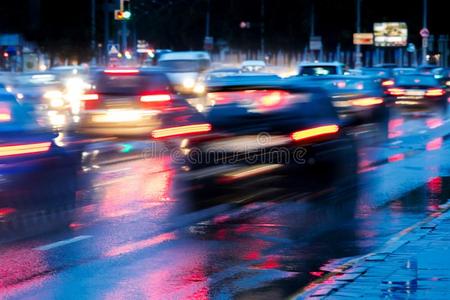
43	95
426	69
386	66
253	66
320	69
185	68
245	110
418	91
221	72
403	71
36	174
359	100
128	102
385	76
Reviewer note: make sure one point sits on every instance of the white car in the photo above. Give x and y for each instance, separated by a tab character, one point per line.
253	66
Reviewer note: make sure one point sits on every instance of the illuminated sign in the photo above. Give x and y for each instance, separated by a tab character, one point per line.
390	34
363	39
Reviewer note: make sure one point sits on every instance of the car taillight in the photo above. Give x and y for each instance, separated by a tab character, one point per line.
369	101
387	82
434	92
395	92
314	132
15	150
121	71
90	100
5	113
181	130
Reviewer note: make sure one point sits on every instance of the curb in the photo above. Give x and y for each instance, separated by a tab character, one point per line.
347	271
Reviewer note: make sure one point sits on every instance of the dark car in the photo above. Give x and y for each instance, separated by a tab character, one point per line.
36	175
127	102
418	91
263	134
359	100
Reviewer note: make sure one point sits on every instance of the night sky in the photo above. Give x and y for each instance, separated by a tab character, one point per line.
180	24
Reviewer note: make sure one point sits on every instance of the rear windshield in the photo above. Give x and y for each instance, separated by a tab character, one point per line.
318	70
131	84
185	65
417	80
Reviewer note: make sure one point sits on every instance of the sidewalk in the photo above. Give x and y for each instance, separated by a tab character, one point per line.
415	264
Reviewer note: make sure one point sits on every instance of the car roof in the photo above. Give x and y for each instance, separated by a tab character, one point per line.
253	63
321	64
185	55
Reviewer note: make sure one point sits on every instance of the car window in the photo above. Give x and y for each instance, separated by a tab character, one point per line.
131	84
318	70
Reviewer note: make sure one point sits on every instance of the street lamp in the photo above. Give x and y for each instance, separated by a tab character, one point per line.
358	30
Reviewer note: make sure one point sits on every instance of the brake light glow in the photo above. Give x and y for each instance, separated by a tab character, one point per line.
5	113
314	132
388	83
270	99
181	130
156	98
396	92
14	150
367	101
121	71
434	92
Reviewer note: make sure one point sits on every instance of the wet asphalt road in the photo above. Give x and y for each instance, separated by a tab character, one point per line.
131	236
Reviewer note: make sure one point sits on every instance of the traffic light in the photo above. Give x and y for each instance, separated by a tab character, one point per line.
122	15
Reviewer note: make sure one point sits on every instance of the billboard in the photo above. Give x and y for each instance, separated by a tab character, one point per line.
363	38
390	34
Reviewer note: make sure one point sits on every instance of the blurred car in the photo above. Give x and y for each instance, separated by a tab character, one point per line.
221	72
359	100
445	79
253	66
418	91
263	133
35	174
385	76
320	69
426	69
127	102
185	68
386	66
43	95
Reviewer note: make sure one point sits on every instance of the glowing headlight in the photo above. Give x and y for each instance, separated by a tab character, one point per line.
199	88
56	102
188	83
9	89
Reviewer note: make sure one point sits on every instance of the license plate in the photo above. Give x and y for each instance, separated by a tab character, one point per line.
247	143
117	116
415	92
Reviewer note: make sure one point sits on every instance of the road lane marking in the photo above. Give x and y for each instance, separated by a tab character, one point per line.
62	243
396	142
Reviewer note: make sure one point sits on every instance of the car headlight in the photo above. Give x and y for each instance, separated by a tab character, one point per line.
188	83
55	98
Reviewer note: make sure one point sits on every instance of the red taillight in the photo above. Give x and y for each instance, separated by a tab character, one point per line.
155	98
14	150
181	130
90	100
369	101
314	132
434	92
395	92
387	82
5	113
121	71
